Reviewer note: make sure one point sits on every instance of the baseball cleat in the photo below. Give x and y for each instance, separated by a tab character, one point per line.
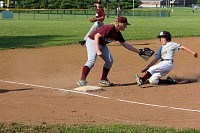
82	83
171	80
106	82
138	80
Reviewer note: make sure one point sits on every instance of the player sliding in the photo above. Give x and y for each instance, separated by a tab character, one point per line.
166	54
96	45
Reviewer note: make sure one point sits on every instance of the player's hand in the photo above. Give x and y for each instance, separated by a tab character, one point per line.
196	55
92	19
144	70
99	53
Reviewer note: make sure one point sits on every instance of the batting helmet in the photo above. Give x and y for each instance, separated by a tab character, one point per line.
166	35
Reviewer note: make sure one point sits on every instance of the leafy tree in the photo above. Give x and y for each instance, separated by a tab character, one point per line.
77	4
54	4
35	4
24	4
44	4
137	3
198	2
66	4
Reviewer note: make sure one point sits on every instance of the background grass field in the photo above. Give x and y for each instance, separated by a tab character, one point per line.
17	128
26	33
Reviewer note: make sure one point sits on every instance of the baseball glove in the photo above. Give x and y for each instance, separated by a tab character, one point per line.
146	53
92	19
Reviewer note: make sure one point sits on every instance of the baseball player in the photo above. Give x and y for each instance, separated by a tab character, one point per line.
98	20
96	45
166	54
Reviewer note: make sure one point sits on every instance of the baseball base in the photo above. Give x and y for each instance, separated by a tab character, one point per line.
88	88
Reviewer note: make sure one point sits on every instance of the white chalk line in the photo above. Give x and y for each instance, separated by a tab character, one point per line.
90	94
160	106
40	86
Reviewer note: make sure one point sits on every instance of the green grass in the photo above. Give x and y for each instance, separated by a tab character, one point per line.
28	33
44	128
37	33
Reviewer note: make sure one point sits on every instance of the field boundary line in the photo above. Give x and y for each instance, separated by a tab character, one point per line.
53	88
160	106
89	94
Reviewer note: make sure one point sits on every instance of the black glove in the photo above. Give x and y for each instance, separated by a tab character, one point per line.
146	53
82	43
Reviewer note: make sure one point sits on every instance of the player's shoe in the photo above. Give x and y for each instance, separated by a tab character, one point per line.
82	43
171	80
105	82
138	80
82	83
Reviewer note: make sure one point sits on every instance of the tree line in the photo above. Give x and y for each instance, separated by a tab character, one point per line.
71	4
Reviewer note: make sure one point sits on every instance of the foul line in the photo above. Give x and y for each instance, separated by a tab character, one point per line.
160	106
39	86
89	94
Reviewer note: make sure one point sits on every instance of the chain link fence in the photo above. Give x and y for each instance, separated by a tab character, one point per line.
34	14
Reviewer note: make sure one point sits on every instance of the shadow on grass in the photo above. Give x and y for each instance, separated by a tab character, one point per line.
12	42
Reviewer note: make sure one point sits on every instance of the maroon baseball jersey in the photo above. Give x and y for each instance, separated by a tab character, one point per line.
99	13
108	34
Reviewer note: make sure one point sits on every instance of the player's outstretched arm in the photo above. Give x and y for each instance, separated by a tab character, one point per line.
190	51
145	53
129	47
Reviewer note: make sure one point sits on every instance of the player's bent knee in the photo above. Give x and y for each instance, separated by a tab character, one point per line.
108	64
90	63
153	81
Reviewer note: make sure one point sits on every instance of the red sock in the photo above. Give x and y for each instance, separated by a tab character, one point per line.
105	73
146	76
85	72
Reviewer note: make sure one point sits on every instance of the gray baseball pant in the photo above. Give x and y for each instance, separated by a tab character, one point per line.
95	26
92	55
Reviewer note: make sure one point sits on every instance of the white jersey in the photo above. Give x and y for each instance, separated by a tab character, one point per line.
167	51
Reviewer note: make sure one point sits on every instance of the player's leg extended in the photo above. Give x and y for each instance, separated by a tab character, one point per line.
91	53
158	71
107	57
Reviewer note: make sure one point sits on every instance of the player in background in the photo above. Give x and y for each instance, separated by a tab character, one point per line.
97	46
194	7
166	54
98	22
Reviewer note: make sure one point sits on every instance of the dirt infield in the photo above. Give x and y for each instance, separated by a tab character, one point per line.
36	86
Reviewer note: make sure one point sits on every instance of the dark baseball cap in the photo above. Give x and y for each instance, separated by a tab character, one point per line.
122	19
